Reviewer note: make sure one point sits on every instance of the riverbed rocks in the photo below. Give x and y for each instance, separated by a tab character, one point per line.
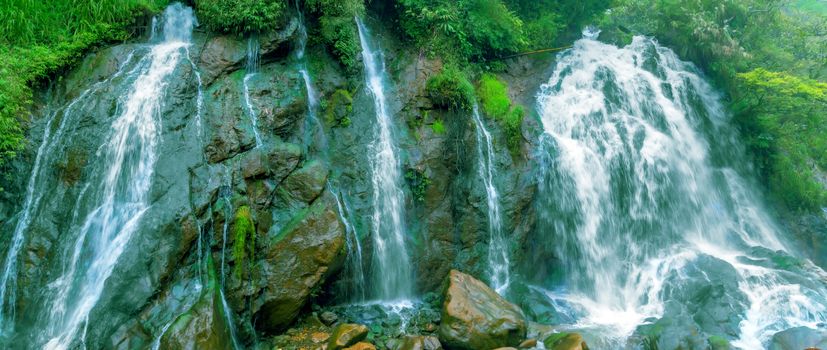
565	341
345	335
475	317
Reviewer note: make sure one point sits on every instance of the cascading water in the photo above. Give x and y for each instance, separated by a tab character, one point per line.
642	197
354	266
120	193
314	135
391	268
252	70
498	257
47	152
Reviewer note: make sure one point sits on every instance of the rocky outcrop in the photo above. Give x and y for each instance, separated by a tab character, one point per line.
299	258
204	326
476	317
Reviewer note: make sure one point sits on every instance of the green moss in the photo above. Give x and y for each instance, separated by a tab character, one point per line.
418	183
438	127
243	230
72	167
337	108
450	89
718	343
493	94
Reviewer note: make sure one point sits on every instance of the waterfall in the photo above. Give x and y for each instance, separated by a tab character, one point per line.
252	70
354	266
314	134
498	260
120	198
46	152
643	201
391	268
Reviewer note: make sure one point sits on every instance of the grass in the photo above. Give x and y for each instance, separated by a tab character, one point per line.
493	95
39	38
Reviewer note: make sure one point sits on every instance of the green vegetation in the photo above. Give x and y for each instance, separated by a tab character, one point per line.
438	127
38	38
243	230
450	89
241	16
493	94
717	342
481	29
768	56
337	108
418	183
786	122
337	27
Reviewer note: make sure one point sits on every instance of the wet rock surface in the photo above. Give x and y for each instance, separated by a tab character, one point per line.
476	317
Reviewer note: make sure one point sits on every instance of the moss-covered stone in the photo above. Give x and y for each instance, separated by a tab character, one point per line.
338	108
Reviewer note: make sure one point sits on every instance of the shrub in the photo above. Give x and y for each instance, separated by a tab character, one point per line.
338	28
493	94
450	89
240	16
243	229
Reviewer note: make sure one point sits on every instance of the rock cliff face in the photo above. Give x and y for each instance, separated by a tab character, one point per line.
263	221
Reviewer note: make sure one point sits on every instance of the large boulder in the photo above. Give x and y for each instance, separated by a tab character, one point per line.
799	338
346	335
204	326
475	317
299	258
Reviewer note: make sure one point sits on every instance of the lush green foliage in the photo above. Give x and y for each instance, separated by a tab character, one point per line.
338	28
787	121
244	238
450	89
241	16
479	29
767	56
38	38
493	94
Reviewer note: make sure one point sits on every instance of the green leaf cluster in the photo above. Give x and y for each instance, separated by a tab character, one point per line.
241	16
493	95
787	121
450	89
337	28
463	30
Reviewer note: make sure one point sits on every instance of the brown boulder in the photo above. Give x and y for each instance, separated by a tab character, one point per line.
346	335
298	259
476	317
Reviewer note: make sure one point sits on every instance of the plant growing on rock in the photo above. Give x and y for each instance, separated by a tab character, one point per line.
338	29
243	229
450	89
493	94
